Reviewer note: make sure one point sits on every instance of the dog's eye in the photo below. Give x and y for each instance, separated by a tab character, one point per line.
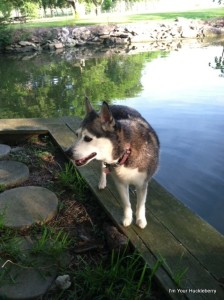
87	139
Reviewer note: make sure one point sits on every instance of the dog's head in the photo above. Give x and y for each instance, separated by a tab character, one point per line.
93	137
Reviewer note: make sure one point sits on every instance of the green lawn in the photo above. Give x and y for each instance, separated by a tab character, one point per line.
115	18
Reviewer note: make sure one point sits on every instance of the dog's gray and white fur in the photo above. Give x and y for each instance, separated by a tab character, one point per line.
126	144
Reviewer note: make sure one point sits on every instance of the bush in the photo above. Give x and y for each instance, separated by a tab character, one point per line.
5	8
30	9
5	36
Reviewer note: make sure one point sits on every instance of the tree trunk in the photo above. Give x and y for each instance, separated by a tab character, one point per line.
98	4
73	3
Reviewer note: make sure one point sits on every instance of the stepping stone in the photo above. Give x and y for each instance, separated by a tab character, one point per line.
24	206
4	150
27	283
12	173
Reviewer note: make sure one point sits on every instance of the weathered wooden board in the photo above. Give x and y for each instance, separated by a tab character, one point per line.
201	239
174	233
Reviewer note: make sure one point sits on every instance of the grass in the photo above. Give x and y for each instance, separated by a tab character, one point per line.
119	19
176	272
51	242
69	177
2	188
122	276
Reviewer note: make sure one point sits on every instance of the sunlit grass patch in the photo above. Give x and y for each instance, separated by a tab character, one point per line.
120	18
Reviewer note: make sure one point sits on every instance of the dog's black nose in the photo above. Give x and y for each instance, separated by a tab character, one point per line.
69	153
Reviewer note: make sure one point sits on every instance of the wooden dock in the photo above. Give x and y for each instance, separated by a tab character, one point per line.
175	235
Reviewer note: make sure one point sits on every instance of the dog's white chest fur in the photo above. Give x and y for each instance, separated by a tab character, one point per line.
130	176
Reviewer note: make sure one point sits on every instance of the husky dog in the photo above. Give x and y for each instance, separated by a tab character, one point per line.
127	146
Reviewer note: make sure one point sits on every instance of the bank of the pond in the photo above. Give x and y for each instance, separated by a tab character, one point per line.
167	33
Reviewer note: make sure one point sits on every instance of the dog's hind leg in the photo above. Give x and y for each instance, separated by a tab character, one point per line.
103	178
140	207
123	190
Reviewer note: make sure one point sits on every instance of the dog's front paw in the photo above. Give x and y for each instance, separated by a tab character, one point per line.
127	222
102	184
141	223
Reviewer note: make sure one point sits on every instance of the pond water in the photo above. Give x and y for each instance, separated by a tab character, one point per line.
181	93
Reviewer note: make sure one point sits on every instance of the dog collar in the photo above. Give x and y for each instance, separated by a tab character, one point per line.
107	168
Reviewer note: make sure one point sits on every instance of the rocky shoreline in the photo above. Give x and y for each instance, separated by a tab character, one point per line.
167	33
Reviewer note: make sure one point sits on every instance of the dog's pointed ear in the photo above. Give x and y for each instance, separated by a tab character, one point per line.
106	118
88	105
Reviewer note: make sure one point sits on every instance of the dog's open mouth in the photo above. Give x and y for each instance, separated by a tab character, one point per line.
82	161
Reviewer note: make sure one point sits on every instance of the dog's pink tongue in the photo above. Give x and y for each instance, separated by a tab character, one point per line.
79	162
82	161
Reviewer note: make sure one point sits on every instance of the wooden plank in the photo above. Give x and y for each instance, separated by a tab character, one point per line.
39	122
71	122
62	135
200	238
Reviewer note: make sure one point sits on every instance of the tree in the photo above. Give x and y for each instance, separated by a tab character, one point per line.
5	8
98	5
25	7
219	63
74	5
219	1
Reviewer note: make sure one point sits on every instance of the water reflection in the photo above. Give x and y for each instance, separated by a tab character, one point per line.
219	63
47	85
178	92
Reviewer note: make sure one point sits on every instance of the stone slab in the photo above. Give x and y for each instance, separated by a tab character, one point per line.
13	173
24	282
4	150
24	206
30	284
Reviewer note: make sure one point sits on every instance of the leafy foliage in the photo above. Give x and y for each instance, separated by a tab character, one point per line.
6	8
219	1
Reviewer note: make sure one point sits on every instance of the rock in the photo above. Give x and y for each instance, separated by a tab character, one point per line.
63	282
49	46
64	35
189	33
58	45
54	39
25	49
13	173
209	31
27	46
17	149
4	151
115	239
27	283
9	48
20	282
25	43
25	206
